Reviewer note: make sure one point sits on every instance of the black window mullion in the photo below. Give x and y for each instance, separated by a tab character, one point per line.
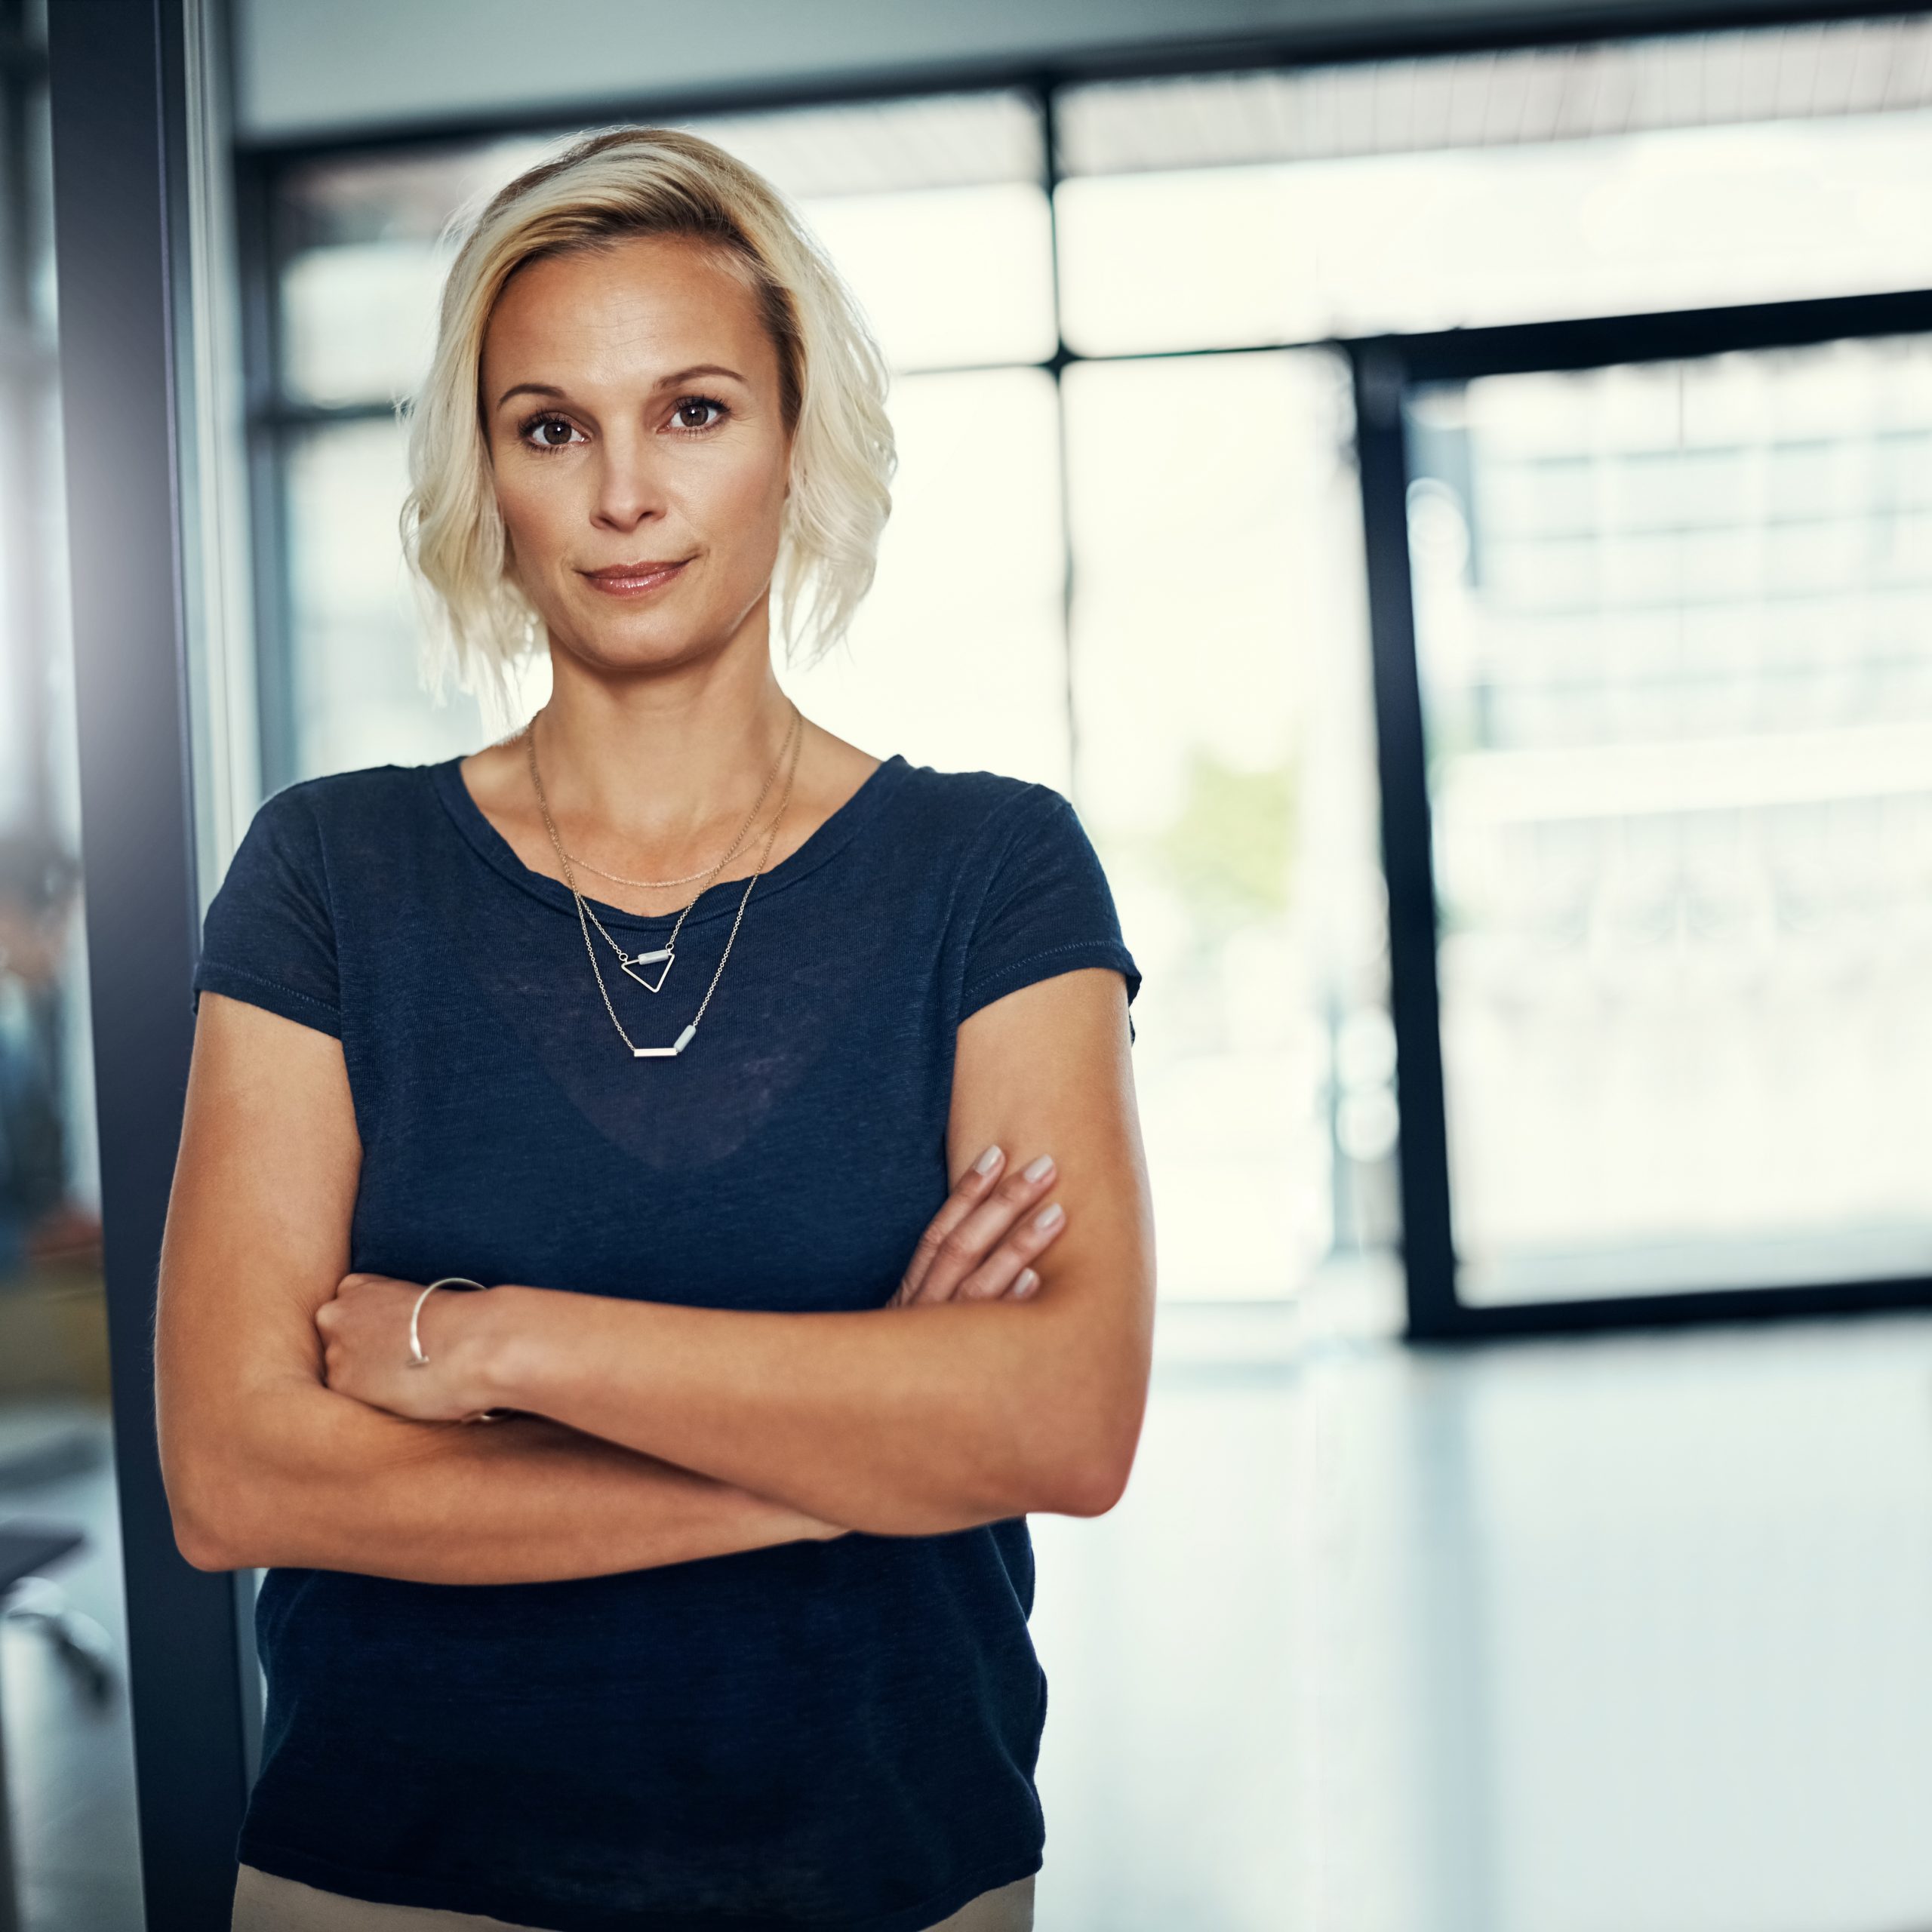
1428	1249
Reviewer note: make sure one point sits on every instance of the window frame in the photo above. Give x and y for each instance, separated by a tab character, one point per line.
1386	368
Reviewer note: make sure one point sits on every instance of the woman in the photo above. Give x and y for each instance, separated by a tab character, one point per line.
725	1059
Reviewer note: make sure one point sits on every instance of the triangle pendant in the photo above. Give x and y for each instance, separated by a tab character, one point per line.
632	962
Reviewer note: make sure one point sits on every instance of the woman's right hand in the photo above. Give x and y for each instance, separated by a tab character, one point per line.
981	1243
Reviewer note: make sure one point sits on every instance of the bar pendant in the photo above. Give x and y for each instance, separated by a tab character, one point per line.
671	1052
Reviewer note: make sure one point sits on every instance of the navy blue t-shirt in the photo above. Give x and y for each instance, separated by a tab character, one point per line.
839	1734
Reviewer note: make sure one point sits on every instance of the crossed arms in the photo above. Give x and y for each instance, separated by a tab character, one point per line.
647	1432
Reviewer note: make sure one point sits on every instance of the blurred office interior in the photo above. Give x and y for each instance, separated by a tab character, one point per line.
1445	488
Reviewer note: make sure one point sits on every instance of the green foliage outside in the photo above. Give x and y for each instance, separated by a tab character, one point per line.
1228	852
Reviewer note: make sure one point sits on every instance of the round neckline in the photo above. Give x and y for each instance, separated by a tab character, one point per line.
824	842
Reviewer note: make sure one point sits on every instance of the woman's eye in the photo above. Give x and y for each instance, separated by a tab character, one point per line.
690	414
551	433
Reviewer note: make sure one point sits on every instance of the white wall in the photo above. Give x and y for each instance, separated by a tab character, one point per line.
325	66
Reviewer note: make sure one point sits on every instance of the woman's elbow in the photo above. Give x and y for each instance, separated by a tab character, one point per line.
201	1517
215	1483
1117	1413
1094	1486
1094	1463
200	1548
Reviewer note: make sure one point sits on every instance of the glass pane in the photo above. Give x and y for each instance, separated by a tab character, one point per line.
353	628
958	656
1223	758
1233	210
365	260
933	208
358	320
948	277
1674	628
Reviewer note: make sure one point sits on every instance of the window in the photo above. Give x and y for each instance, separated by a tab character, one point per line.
1674	625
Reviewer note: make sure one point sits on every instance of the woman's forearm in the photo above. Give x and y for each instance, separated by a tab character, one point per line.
315	1480
914	1421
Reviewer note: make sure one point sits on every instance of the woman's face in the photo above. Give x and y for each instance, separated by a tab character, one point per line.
631	394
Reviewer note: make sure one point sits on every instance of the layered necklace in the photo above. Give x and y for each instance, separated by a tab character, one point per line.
664	957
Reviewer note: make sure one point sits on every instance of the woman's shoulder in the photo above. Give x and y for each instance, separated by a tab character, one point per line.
1032	891
273	930
313	837
342	807
339	796
967	808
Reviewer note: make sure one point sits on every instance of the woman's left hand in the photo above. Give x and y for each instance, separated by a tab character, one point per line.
365	1349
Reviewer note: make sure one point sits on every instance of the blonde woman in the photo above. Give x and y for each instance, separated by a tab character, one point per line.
739	1123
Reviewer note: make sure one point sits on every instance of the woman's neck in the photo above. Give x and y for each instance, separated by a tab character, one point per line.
652	779
652	767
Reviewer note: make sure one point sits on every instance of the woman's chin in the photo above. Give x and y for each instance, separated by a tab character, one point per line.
628	651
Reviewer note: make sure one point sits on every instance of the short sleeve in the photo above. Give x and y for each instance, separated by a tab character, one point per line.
270	938
1048	907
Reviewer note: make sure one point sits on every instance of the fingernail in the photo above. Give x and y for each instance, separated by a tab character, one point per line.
1050	1218
1026	1281
987	1161
1041	1168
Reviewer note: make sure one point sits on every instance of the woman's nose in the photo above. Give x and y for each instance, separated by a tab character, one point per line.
629	488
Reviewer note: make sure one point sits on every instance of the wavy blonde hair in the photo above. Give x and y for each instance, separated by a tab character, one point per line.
605	188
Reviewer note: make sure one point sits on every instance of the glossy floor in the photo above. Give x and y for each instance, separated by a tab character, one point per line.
1626	1634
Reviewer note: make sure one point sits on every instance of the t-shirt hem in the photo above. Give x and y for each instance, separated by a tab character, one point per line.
437	1893
1047	965
237	982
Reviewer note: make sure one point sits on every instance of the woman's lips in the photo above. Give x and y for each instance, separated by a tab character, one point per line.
632	579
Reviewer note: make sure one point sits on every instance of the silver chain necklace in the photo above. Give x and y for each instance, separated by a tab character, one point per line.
705	874
789	756
663	957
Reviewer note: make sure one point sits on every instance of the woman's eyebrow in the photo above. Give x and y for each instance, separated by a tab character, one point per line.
528	389
699	369
663	382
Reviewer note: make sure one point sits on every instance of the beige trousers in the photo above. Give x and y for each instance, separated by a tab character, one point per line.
265	1903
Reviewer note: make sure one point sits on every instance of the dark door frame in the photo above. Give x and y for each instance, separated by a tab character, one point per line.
1385	367
118	78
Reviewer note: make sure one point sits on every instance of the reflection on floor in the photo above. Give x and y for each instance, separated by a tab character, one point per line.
1627	1633
1622	1634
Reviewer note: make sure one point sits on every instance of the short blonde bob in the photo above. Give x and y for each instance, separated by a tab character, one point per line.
605	188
